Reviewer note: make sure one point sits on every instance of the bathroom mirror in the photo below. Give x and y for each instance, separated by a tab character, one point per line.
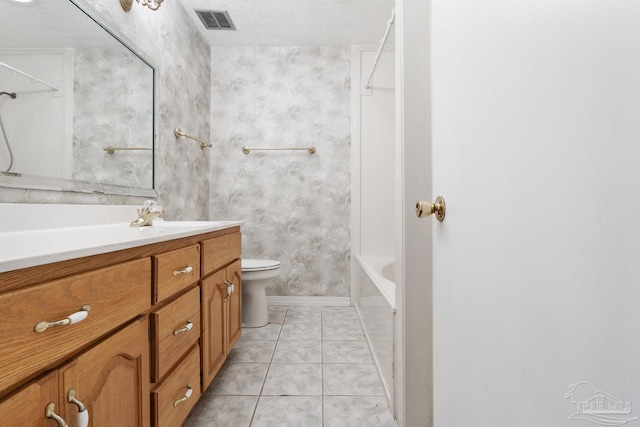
77	110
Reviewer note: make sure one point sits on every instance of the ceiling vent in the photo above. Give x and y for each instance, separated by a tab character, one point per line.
216	20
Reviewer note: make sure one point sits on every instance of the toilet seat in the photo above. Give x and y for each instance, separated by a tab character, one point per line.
259	264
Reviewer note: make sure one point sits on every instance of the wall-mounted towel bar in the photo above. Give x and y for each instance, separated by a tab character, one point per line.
178	133
247	150
112	150
29	76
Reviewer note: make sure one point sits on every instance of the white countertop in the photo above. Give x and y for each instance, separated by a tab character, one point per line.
30	247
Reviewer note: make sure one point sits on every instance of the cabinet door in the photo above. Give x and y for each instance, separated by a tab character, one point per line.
26	407
214	312
112	380
234	272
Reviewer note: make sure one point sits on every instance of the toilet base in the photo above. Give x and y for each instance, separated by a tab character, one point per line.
255	313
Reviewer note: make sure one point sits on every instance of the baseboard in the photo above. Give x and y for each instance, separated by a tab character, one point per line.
297	300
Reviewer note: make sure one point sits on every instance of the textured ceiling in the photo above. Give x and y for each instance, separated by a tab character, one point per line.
50	24
297	22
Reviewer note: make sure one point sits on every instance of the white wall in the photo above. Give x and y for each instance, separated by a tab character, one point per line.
536	124
373	148
38	121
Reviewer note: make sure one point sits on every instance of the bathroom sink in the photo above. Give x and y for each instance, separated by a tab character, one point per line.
184	224
23	249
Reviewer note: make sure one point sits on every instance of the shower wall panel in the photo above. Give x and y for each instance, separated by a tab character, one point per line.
296	206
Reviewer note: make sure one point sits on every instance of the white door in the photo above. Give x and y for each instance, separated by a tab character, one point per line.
536	268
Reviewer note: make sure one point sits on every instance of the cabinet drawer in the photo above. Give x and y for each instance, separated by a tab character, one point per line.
176	270
115	295
170	408
175	328
220	251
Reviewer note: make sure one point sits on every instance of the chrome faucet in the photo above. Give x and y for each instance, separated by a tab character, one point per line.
149	211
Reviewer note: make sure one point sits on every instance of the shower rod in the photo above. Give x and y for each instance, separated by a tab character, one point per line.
383	41
29	76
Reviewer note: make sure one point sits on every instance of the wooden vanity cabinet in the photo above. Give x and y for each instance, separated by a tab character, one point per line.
137	356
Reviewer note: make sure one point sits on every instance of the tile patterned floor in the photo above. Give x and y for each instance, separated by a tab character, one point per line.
310	367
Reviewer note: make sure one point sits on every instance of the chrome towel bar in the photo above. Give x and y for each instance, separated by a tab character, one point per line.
247	150
178	133
111	150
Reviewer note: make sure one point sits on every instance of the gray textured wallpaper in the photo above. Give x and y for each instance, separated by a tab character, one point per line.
102	89
170	39
296	205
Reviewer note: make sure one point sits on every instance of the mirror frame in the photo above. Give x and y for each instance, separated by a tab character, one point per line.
35	182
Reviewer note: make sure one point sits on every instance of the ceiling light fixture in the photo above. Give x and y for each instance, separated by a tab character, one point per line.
151	4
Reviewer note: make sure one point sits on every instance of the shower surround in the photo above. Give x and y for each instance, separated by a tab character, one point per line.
296	206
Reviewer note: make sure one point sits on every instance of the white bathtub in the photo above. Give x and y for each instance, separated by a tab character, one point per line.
381	271
376	307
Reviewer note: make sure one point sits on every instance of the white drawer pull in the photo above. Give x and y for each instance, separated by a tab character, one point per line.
83	414
187	269
185	328
71	319
230	286
187	395
49	412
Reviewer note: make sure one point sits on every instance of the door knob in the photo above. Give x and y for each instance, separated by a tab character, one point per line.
425	208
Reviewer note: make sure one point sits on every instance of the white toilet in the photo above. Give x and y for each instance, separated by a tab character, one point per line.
257	274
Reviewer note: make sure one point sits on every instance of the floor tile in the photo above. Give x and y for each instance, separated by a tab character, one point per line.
288	411
293	380
341	330
240	379
310	367
222	411
300	332
346	352
351	411
298	352
351	380
304	315
269	332
277	313
252	351
344	313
